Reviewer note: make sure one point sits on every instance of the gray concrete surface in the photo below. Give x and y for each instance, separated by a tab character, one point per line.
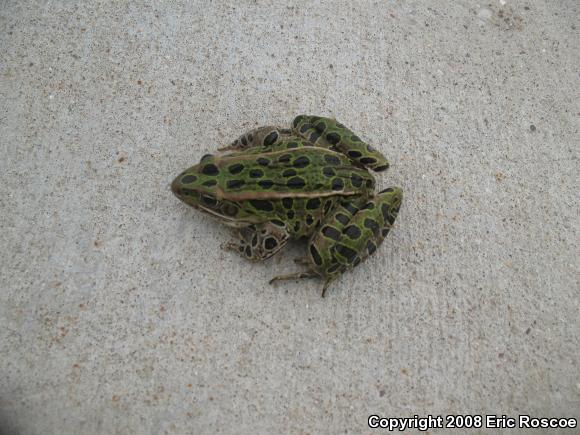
119	312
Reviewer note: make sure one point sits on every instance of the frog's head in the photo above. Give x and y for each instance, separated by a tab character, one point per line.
198	187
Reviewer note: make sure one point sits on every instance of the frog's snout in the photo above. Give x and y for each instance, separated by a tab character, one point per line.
176	186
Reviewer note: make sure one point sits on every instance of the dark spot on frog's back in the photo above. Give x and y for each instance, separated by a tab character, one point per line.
328	172
289	173
209	183
305	128
256	173
354	154
235	184
262	204
337	184
296	183
332	160
210	169
236	168
284	158
263	161
265	184
301	162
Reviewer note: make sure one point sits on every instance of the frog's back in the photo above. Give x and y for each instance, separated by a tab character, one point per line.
306	172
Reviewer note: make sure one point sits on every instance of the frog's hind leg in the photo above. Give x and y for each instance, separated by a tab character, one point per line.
352	233
339	216
260	242
329	133
261	137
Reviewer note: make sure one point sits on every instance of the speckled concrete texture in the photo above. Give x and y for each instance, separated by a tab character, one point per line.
121	314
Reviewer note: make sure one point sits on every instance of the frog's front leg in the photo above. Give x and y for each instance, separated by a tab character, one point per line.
350	234
258	137
329	133
261	241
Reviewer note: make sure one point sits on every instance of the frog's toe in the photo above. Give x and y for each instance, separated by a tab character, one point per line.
296	275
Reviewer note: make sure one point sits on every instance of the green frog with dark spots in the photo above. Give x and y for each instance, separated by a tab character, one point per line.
311	180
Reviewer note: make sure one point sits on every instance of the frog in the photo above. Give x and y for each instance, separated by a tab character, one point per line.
310	181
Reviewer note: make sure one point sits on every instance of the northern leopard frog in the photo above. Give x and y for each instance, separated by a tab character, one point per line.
311	180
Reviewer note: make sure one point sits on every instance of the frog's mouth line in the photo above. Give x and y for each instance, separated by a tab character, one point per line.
229	221
226	220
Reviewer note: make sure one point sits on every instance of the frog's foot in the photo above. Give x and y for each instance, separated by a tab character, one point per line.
302	261
259	242
259	137
296	275
329	133
300	275
353	233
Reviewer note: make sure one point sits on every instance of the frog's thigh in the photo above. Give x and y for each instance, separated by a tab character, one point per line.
329	133
259	137
347	239
259	242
